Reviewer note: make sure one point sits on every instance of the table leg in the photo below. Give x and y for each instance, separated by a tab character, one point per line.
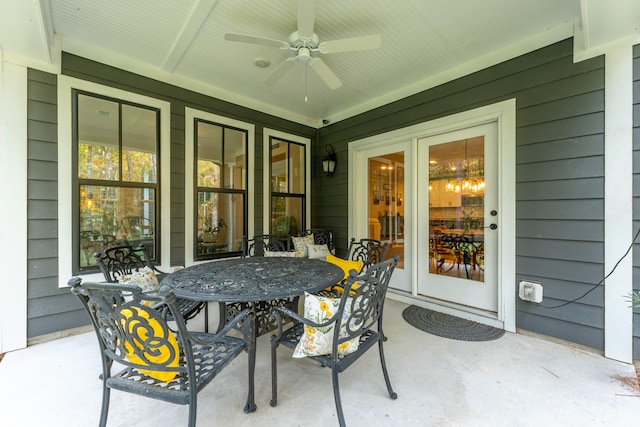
251	349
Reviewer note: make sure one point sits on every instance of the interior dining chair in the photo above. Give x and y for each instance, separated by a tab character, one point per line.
149	358
125	261
356	315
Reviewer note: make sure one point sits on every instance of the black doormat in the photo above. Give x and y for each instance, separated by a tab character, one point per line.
447	326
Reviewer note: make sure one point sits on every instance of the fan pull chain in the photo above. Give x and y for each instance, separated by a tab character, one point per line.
306	80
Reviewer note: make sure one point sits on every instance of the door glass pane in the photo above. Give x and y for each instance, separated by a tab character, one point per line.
386	202
456	209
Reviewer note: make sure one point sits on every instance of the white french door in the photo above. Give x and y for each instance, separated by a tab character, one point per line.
382	202
458	217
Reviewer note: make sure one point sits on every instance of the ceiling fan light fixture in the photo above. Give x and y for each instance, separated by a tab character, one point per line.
261	62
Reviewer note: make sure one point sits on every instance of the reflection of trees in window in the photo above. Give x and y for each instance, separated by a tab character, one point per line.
221	189
288	187
116	145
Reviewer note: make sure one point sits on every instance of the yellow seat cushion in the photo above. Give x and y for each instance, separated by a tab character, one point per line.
151	342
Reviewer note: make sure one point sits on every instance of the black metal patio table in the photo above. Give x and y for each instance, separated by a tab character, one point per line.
252	280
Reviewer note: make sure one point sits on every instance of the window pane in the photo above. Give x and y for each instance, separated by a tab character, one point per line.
279	163
139	142
234	159
220	223
296	168
114	215
287	215
209	138
98	144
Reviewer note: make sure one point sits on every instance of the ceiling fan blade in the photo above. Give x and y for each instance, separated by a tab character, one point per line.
350	45
242	38
325	73
306	18
280	71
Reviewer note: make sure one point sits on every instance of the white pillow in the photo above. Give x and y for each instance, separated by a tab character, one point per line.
317	341
300	243
283	254
318	251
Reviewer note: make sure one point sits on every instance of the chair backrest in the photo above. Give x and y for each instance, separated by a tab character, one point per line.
369	251
363	300
120	260
132	329
320	237
261	242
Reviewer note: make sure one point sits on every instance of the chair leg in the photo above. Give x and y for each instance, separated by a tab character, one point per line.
336	395
274	373
104	413
206	317
222	307
193	412
250	332
392	393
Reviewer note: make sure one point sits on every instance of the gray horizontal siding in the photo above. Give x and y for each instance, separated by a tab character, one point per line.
559	175
49	308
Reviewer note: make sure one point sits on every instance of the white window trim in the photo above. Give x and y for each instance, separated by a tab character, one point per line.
65	177
189	157
268	133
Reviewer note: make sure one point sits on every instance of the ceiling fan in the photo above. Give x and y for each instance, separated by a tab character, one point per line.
305	46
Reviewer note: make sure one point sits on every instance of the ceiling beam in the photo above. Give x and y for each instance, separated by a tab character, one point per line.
605	25
198	16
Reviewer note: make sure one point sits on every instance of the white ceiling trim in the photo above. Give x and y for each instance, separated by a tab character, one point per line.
119	61
551	36
198	16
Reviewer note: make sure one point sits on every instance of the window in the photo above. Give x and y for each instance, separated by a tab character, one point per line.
220	189
68	190
288	190
116	144
219	170
287	185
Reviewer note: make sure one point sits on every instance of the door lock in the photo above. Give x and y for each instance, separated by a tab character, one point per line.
493	226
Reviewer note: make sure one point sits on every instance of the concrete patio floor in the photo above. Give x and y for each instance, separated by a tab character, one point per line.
517	380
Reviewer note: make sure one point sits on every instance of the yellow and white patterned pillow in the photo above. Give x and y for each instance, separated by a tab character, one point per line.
300	244
145	278
150	342
318	341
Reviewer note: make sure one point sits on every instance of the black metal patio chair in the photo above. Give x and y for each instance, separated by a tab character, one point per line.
159	363
355	320
119	261
369	251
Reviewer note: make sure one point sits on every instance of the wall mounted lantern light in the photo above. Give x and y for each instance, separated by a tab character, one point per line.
329	161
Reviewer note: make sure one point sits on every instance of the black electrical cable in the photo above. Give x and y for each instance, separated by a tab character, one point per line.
603	279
